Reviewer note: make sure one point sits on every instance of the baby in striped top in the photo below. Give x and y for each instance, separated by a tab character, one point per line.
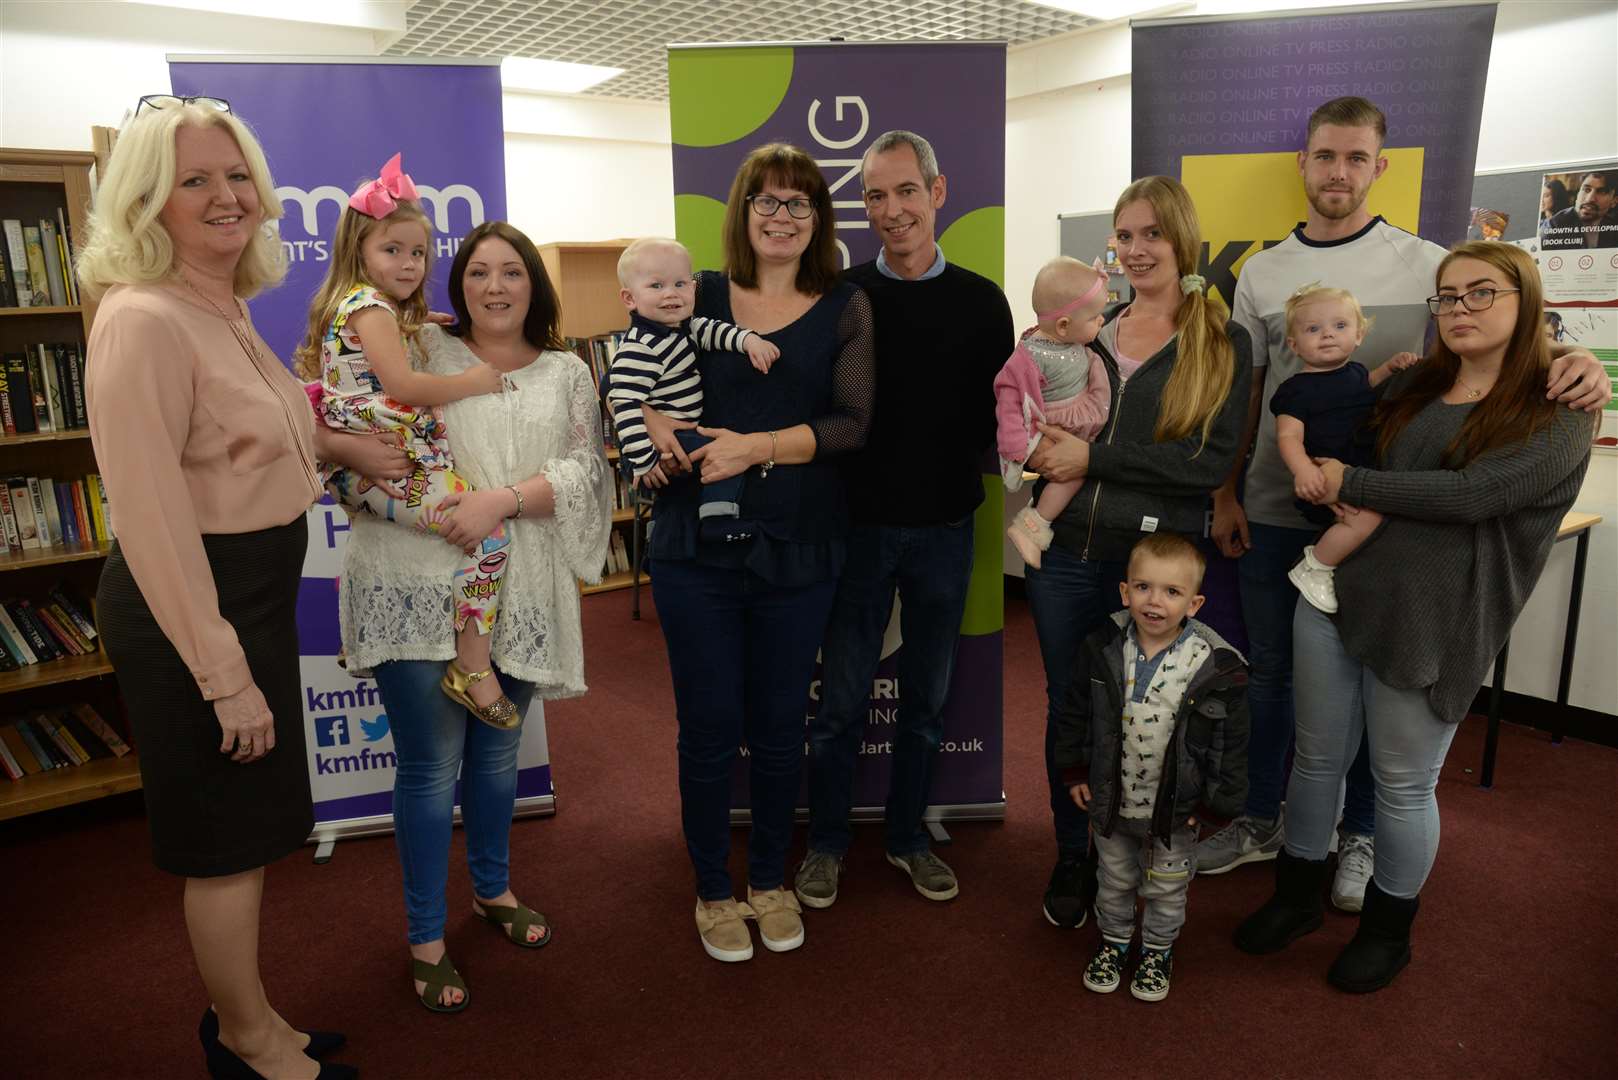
656	363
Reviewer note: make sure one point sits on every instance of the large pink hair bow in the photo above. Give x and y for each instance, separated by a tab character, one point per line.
380	197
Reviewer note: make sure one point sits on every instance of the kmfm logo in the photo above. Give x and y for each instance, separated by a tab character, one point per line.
304	207
334	730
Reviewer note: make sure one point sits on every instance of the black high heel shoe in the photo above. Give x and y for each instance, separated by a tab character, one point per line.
321	1043
223	1064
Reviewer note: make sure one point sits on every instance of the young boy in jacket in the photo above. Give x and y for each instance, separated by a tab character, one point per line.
1152	739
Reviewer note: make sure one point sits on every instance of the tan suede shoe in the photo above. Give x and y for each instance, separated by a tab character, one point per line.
780	921
724	930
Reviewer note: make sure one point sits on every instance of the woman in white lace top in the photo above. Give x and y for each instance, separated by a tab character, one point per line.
535	455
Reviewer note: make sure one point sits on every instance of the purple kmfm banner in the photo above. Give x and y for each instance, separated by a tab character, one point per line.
833	100
326	126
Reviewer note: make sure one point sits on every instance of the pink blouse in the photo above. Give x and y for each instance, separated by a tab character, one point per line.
193	437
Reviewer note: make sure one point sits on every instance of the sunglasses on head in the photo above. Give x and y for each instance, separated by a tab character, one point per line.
170	101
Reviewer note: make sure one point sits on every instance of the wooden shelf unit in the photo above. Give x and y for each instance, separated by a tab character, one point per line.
33	184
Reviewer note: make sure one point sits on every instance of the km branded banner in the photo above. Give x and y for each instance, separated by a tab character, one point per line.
1224	106
325	126
833	100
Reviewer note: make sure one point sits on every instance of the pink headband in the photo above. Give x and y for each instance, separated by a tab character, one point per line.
1073	305
380	197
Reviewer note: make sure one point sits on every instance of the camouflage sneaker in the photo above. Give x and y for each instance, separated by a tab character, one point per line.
1106	969
931	876
1244	840
816	881
1151	981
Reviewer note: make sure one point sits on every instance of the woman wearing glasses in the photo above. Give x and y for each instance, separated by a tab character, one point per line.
1477	469
744	600
207	448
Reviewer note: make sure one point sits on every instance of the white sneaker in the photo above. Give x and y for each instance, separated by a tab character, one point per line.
1356	858
1314	580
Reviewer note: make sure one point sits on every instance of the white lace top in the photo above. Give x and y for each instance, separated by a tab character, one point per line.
395	594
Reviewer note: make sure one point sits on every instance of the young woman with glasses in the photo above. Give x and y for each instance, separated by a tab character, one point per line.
1477	468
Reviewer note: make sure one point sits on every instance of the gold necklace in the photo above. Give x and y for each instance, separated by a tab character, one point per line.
243	338
1471	394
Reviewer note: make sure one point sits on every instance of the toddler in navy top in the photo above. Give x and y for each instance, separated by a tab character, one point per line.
1320	413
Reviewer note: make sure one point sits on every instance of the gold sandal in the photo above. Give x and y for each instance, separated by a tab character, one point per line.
500	713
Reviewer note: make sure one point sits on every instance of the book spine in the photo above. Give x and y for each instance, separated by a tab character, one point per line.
13	769
97	498
75	611
53	388
81	512
6	415
33	634
21	394
36	746
36	388
16	638
62	734
8	518
38	278
19	749
37	629
75	378
8	288
75	756
68	627
42	520
103	730
61	518
22	505
67	256
52	251
18	254
10	655
59	633
83	737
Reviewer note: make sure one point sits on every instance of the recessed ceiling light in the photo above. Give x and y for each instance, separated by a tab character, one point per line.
552	76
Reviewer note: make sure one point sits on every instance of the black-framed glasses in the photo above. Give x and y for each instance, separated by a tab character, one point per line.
170	101
1472	300
766	206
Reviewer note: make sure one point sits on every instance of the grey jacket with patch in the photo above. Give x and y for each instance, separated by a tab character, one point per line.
1205	766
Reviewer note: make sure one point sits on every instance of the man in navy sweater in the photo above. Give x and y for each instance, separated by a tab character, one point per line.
942	333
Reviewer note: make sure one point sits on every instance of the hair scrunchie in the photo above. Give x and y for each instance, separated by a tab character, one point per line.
1193	283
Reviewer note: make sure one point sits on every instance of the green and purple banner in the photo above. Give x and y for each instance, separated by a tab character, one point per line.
325	127
833	100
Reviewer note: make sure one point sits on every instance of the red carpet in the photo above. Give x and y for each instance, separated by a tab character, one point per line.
1515	970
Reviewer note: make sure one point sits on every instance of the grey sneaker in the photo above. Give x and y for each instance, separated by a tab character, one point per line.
816	882
1356	857
1106	969
1152	974
1244	840
931	876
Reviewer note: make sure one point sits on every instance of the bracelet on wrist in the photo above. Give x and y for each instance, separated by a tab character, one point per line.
764	469
518	512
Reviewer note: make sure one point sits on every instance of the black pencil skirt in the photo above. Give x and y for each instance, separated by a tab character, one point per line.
210	816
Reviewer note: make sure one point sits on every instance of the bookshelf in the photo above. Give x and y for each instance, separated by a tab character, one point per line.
585	276
36	185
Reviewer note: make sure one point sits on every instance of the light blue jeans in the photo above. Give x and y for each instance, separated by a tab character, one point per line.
437	742
1338	700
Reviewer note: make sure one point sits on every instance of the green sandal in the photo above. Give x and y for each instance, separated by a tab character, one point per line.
439	977
516	921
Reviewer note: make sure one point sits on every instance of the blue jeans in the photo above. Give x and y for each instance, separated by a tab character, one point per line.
1069	598
1341	706
1268	602
929	567
436	741
741	654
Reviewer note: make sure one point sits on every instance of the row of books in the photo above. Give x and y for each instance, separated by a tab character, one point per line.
597	354
622	490
43	512
42	389
618	560
36	263
37	632
59	739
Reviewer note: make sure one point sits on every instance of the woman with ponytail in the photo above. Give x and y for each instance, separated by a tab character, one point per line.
1180	372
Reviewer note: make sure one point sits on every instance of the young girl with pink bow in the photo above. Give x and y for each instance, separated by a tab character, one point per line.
363	319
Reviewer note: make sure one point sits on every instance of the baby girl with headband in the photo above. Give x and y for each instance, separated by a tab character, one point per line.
1053	377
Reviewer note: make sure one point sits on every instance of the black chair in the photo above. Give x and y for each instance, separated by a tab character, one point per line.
640	502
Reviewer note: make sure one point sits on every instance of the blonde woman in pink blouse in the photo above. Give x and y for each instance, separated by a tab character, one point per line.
207	448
